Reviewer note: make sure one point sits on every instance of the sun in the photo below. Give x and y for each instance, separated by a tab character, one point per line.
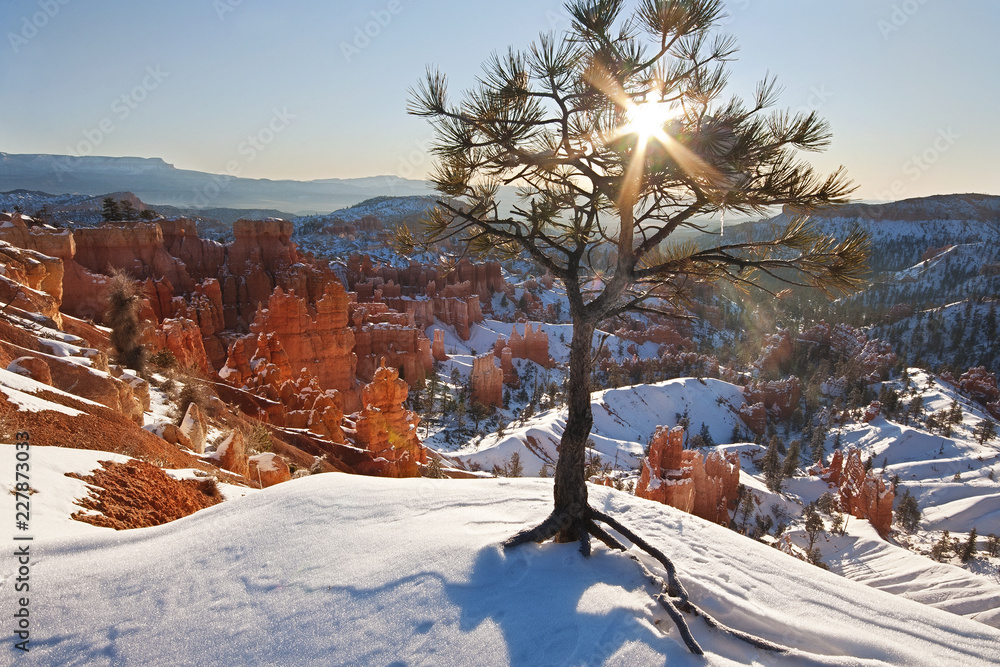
648	118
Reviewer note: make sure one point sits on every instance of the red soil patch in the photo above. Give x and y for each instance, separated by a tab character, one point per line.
135	494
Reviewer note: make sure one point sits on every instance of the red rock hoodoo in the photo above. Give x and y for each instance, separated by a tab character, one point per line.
704	486
386	429
487	381
863	494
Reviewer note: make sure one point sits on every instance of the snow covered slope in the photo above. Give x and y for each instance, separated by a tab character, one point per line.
343	570
624	421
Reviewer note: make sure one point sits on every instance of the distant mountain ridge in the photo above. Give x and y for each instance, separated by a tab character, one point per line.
934	207
155	181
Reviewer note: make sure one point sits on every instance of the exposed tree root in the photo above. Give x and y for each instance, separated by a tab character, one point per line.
672	596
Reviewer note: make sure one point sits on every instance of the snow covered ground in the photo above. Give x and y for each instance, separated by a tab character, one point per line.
344	570
624	421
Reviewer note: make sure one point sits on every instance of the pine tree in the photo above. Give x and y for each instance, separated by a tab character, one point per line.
123	318
817	444
955	413
992	545
907	511
771	466
127	210
985	431
791	463
969	550
814	524
605	177
706	436
110	211
942	548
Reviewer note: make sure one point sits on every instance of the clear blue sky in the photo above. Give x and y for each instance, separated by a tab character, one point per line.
898	80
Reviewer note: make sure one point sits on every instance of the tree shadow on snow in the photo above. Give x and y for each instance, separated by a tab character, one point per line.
555	607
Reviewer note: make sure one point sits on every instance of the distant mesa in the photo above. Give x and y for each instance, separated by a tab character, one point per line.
154	180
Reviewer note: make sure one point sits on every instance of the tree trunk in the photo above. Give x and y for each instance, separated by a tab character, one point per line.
570	483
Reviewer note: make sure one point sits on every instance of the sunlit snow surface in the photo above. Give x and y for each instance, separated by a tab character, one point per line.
346	570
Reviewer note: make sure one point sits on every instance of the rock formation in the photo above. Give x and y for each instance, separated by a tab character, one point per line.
754	415
863	494
705	486
663	477
510	376
184	340
194	425
231	455
31	367
268	469
455	295
317	337
533	345
872	412
780	397
776	353
385	335
661	334
386	429
487	381
437	347
981	385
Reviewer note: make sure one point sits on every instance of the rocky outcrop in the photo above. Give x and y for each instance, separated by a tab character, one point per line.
317	337
194	426
775	354
170	433
872	412
754	415
184	340
381	334
260	365
423	280
31	367
30	282
437	347
487	381
662	477
780	397
716	479
386	429
863	494
705	486
456	295
268	469
661	334
128	395
136	248
533	345
510	376
231	455
33	268
981	385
